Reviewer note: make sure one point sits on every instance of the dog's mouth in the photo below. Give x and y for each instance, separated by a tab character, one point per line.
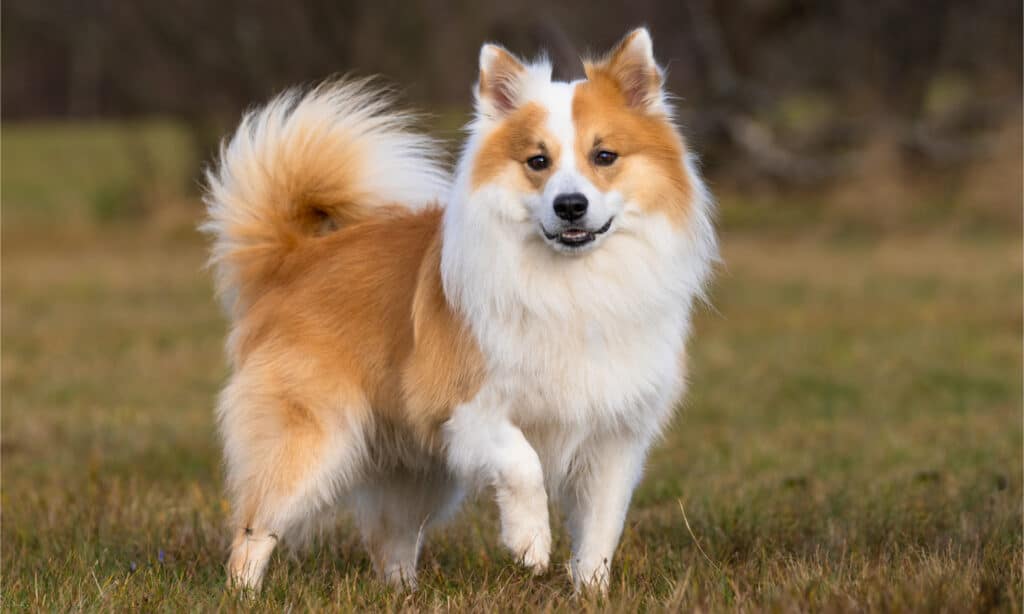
575	236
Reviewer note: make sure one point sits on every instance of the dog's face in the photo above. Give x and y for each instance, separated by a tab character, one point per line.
581	161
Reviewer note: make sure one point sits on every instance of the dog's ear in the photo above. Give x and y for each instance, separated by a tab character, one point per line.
631	66
502	77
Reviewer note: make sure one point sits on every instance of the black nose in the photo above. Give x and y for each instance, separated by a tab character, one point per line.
570	207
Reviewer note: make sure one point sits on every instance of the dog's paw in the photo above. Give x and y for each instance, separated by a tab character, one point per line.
590	577
248	561
531	546
400	577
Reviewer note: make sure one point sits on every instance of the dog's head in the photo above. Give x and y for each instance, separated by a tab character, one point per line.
579	162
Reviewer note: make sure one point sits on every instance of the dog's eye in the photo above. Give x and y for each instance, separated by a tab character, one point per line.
605	158
538	163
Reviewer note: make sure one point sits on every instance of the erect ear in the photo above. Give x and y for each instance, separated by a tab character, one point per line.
502	77
632	68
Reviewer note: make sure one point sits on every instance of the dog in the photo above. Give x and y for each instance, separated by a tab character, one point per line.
402	335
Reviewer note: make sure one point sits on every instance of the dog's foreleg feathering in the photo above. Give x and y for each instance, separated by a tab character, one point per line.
596	501
483	445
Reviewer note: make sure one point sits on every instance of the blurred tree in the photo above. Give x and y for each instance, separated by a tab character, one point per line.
780	89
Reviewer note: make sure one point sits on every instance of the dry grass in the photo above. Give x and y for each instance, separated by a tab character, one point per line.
853	441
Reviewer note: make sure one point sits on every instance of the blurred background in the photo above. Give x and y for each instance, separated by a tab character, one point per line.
853	436
859	116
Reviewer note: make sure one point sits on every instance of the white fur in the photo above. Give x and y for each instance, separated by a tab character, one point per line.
484	445
582	350
567	178
596	500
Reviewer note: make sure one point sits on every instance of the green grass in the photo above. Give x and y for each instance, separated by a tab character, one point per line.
91	172
852	439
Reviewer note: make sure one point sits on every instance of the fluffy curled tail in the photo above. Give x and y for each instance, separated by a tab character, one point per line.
306	163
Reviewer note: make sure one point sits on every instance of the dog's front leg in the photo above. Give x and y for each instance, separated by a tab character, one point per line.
596	501
482	444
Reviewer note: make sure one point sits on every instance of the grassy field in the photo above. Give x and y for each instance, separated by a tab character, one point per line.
852	440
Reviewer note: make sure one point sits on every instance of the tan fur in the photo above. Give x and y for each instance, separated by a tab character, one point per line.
287	416
305	164
444	367
648	170
346	356
364	306
353	347
637	79
323	199
503	155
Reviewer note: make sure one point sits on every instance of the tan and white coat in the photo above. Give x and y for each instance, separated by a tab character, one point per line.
397	353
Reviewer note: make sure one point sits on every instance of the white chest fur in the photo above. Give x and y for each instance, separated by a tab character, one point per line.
593	372
576	346
590	342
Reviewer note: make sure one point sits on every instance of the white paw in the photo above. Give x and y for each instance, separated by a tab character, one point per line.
248	562
590	576
400	577
531	545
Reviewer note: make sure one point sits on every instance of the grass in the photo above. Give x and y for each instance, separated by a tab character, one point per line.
852	439
90	172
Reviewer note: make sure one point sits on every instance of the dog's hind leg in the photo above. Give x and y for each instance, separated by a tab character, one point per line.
285	461
394	511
